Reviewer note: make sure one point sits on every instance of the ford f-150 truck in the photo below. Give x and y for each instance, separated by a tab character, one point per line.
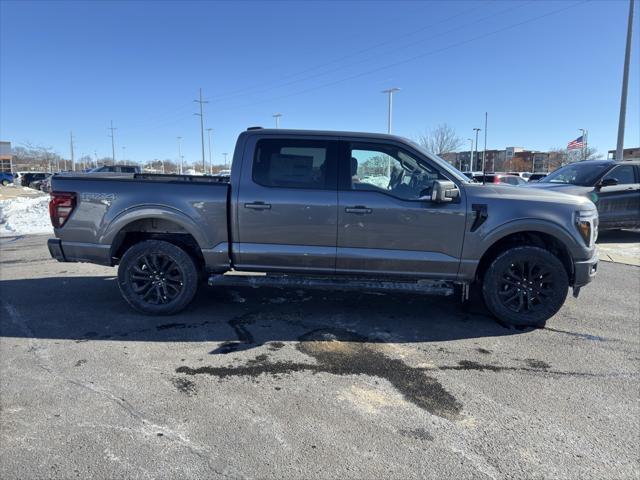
329	210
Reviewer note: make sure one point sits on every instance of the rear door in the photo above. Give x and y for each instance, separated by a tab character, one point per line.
387	223
287	205
619	205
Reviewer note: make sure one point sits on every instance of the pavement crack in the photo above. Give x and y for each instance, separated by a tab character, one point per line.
534	367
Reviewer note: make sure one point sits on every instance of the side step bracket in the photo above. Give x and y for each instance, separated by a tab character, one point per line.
428	287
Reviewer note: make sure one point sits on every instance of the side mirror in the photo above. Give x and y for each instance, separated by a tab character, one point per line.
444	191
608	182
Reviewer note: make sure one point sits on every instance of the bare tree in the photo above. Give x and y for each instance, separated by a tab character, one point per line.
440	140
561	156
30	157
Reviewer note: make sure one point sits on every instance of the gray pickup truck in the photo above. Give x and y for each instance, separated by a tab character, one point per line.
329	210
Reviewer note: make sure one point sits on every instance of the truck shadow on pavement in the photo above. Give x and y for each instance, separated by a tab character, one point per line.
344	333
90	308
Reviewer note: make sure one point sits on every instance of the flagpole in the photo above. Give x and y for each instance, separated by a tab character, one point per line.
586	143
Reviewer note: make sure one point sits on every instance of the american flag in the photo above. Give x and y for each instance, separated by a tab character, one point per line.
575	144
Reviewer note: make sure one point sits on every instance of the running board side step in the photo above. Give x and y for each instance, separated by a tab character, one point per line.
427	287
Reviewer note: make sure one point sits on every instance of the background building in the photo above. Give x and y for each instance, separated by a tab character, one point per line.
627	154
6	157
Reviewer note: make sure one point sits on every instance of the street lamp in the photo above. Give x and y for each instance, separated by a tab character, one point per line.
180	157
225	160
277	117
209	130
476	153
390	92
470	153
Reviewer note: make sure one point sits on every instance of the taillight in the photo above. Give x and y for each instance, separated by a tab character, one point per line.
496	180
60	207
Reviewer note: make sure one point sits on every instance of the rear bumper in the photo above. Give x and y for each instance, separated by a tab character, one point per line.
79	252
55	249
585	270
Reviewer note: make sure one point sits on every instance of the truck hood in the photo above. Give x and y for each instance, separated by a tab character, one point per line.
561	188
529	194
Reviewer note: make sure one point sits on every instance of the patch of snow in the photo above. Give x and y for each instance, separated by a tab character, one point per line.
25	216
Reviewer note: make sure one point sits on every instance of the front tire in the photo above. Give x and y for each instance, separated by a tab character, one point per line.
525	286
157	278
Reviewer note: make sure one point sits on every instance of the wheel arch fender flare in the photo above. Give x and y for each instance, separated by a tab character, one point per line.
159	212
489	246
528	226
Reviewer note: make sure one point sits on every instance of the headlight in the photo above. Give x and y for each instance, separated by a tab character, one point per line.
586	223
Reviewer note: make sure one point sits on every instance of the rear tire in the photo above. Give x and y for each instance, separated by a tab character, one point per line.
157	278
5	182
525	286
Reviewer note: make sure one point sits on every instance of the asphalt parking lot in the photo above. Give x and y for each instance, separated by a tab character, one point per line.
267	383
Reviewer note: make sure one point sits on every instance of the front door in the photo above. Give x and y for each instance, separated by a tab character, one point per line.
287	207
619	205
387	221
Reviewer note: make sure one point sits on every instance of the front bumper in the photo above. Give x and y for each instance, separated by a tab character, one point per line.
585	270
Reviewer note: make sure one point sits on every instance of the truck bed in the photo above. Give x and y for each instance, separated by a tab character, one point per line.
110	205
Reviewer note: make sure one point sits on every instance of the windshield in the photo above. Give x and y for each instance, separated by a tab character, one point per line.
583	174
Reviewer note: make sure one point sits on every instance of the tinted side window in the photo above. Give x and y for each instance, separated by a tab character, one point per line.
623	173
295	164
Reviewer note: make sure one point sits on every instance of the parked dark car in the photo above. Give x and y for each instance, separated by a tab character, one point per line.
500	178
613	186
45	185
117	169
39	184
29	177
6	178
536	177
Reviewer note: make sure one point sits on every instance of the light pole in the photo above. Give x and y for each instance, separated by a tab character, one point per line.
625	83
277	117
470	153
209	130
180	154
113	143
225	160
201	115
484	153
73	159
390	92
476	152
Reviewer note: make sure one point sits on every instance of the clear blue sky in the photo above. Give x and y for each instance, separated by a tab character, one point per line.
77	65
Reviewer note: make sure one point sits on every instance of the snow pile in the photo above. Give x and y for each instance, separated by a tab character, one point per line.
25	216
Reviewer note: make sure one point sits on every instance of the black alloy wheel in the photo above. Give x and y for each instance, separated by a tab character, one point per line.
157	277
525	286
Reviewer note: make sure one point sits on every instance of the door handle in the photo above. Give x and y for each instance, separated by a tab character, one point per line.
358	210
258	206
